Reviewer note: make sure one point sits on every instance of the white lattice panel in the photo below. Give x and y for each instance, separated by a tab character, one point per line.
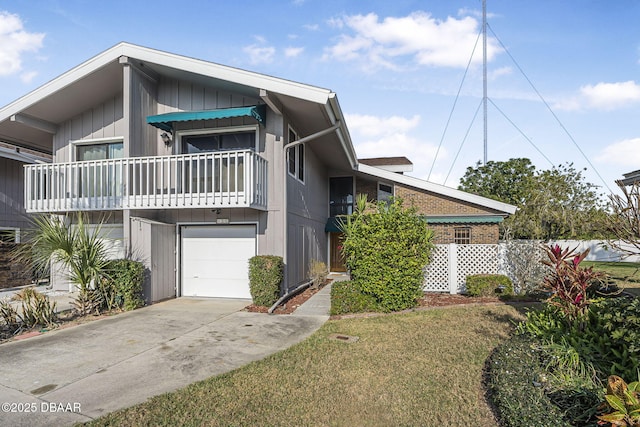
476	259
437	274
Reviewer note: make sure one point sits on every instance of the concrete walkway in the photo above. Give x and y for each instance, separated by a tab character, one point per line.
83	372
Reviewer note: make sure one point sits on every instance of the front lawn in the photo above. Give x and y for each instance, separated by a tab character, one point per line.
420	368
624	274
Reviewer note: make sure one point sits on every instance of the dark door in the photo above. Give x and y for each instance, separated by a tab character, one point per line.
337	261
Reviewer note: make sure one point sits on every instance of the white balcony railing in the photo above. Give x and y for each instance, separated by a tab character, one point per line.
204	180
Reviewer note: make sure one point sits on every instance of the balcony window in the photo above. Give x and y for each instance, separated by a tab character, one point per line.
101	151
222	141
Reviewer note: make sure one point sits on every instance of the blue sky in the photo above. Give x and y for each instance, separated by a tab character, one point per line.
395	65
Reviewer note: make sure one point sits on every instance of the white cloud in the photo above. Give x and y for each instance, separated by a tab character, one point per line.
474	12
502	71
292	52
311	27
373	126
390	137
14	42
28	76
622	153
417	37
603	96
260	53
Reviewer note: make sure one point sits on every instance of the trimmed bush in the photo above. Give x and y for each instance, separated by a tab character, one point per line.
125	281
347	298
514	385
489	285
386	250
265	276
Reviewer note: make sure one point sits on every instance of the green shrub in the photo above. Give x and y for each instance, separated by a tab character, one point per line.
608	337
514	383
265	276
386	250
488	285
347	298
123	288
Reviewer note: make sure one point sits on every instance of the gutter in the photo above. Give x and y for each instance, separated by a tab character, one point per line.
289	295
285	227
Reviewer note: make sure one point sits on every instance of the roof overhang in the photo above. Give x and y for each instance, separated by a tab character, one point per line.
485	202
464	219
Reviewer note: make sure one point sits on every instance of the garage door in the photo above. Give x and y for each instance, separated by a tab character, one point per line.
215	260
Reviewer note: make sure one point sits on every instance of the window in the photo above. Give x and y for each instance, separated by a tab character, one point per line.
9	235
218	141
462	235
99	179
385	192
341	196
295	158
100	151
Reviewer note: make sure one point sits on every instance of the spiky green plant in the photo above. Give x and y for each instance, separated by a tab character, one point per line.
76	247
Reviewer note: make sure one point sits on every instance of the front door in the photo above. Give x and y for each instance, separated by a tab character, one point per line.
337	260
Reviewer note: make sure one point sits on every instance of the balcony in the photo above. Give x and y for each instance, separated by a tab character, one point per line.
230	179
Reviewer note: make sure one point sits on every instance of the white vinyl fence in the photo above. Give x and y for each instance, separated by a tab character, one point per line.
451	264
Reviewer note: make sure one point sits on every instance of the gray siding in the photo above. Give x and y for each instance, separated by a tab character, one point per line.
154	244
144	140
306	218
12	212
105	120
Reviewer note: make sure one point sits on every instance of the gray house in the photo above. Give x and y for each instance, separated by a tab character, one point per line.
13	217
197	167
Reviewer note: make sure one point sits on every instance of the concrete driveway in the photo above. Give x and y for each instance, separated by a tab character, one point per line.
83	372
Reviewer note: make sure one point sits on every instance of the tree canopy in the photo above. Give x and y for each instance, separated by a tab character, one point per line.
552	204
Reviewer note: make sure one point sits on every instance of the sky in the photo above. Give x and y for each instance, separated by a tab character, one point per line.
563	83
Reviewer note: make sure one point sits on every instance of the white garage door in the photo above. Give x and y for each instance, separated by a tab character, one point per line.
215	260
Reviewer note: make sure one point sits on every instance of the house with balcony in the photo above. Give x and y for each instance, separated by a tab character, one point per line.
195	167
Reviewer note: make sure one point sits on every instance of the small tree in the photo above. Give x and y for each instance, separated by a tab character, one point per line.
624	221
386	249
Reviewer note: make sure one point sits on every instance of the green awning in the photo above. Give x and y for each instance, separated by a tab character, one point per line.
471	219
333	225
165	121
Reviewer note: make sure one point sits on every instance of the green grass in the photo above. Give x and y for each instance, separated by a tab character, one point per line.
420	368
624	274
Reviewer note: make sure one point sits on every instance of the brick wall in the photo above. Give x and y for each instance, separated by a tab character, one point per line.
480	233
436	204
12	274
370	188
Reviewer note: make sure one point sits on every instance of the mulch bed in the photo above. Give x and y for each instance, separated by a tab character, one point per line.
429	300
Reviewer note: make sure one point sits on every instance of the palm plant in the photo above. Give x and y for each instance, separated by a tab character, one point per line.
76	247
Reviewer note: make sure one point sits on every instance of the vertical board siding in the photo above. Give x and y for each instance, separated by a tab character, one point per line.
102	121
12	212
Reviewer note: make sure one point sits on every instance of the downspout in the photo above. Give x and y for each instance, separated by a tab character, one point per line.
285	148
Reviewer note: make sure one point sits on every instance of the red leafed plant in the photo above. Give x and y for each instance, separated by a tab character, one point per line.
568	282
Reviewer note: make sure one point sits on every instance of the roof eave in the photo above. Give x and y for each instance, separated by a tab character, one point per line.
438	189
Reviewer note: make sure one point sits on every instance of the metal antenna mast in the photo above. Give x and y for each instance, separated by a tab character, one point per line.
484	73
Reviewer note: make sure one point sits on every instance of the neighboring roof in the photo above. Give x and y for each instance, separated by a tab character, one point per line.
9	151
386	161
392	164
437	189
631	177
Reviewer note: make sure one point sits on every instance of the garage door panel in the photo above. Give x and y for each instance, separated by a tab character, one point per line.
215	260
